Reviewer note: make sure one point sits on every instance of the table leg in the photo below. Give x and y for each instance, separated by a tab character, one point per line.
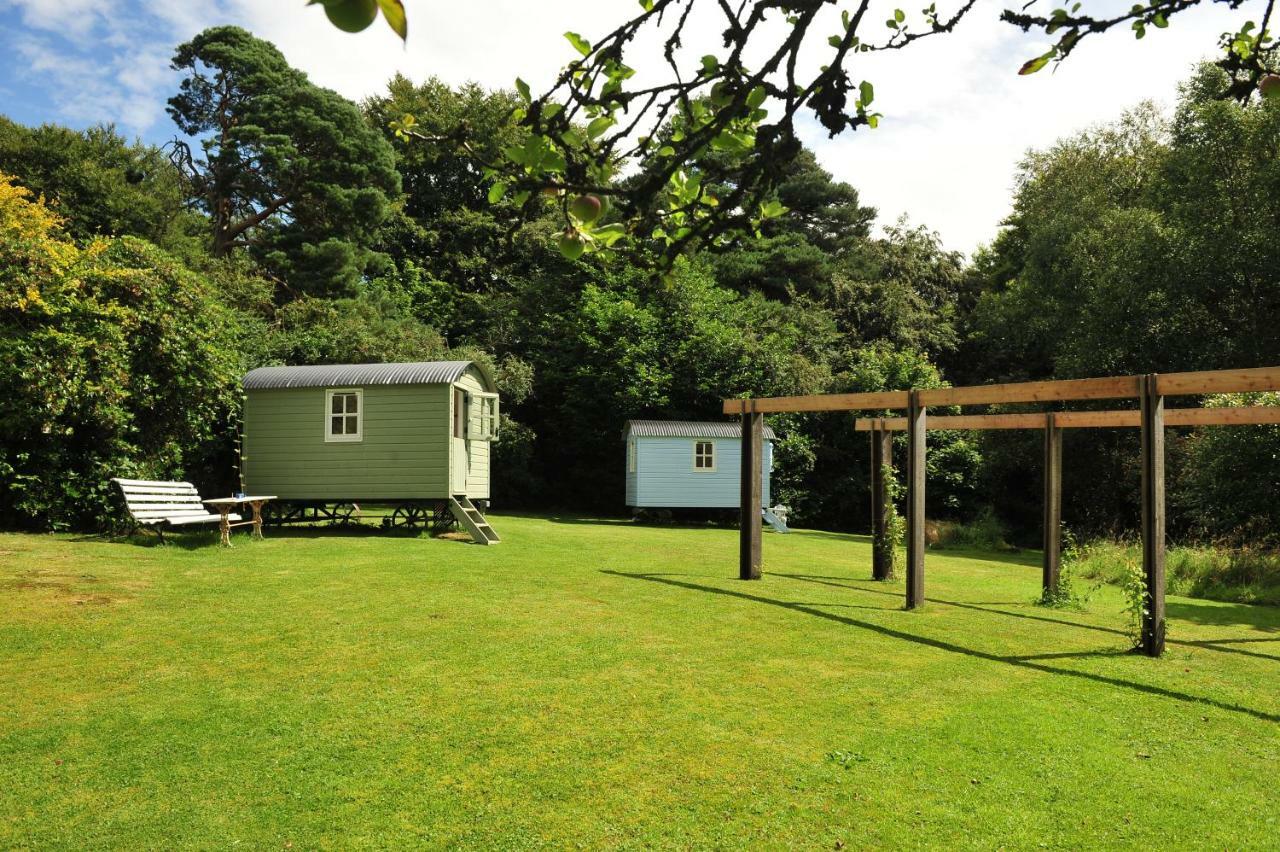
224	526
257	519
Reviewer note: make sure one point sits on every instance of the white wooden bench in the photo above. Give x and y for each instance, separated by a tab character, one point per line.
161	505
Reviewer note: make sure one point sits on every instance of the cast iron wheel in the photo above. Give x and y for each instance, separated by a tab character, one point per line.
408	517
344	514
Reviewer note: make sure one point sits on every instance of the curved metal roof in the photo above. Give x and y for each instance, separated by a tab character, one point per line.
686	429
355	375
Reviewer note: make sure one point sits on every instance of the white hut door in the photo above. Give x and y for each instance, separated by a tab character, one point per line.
460	461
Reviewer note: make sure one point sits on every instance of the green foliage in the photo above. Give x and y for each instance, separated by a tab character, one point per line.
1111	265
100	184
802	251
1065	594
1224	473
1137	603
364	329
903	288
286	169
1222	572
115	360
985	531
895	527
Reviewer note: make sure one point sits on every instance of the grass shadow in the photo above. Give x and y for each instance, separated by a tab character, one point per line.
1032	662
1226	614
1221	645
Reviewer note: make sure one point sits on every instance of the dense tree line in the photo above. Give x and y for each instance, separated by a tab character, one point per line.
1146	245
305	230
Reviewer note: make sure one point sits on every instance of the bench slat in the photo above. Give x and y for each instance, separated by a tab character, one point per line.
199	519
152	482
171	513
163	503
152	502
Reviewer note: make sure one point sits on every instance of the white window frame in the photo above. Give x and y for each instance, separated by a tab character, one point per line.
488	422
345	438
711	455
631	455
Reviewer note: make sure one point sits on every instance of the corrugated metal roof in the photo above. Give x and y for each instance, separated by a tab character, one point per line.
355	375
686	429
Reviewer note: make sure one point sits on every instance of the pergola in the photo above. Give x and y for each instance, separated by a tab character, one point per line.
1151	418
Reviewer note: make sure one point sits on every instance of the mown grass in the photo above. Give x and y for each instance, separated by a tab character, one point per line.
598	684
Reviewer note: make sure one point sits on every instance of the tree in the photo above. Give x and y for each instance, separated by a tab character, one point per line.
901	289
452	247
1147	245
287	169
799	250
101	184
115	360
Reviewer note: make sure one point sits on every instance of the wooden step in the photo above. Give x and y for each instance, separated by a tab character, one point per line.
472	520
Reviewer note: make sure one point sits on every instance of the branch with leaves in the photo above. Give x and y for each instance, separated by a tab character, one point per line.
693	160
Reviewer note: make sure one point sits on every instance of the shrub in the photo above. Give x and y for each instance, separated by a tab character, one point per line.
115	360
1240	574
986	532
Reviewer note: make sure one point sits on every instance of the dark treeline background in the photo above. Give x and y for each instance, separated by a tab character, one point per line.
138	284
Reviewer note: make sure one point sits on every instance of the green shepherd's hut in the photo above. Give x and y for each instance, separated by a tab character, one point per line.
326	439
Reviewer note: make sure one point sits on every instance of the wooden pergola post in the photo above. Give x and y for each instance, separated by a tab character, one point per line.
1052	503
1152	412
881	506
749	522
915	500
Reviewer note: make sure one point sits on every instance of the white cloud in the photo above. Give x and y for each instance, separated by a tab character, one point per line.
957	116
88	93
76	19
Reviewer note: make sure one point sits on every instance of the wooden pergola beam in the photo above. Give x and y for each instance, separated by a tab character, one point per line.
1233	416
1150	391
819	402
1060	390
1055	390
1218	381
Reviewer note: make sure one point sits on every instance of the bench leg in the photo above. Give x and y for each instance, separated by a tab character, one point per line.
257	519
224	528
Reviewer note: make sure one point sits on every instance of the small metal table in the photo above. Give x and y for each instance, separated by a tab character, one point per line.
224	505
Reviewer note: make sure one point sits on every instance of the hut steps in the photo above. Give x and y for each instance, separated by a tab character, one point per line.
472	520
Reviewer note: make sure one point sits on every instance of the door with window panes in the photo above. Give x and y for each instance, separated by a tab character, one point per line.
475	426
461	460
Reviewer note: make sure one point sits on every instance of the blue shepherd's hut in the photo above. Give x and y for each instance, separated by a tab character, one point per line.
677	464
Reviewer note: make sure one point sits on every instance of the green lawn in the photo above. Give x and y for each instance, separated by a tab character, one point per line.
601	684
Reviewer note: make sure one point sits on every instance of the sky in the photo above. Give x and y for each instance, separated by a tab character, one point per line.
957	117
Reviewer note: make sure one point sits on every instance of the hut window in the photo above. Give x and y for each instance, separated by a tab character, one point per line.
704	456
459	413
631	456
343	415
485	415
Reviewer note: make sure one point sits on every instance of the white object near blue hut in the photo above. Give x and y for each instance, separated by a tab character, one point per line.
677	464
